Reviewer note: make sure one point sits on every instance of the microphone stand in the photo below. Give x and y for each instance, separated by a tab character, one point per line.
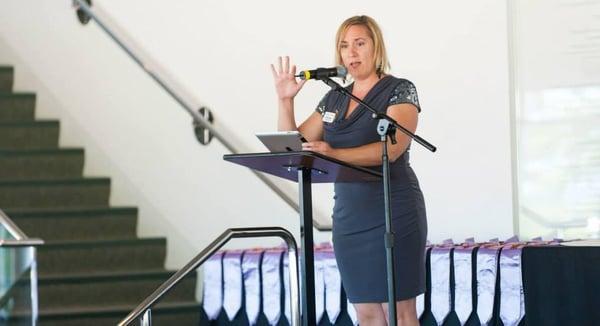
385	128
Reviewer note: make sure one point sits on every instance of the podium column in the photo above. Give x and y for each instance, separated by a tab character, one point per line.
307	262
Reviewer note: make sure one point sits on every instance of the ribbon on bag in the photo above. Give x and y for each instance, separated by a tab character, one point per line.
271	285
463	279
212	293
286	285
319	285
440	281
351	313
232	285
512	299
420	302
333	285
487	266
251	274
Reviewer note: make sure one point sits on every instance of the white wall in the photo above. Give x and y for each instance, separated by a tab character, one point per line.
219	51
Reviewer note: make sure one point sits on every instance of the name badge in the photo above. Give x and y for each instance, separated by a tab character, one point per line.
329	117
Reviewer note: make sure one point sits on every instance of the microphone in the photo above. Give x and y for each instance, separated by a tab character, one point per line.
322	73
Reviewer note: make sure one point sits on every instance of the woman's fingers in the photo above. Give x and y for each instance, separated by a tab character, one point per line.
310	146
283	66
280	65
285	71
318	146
286	64
273	71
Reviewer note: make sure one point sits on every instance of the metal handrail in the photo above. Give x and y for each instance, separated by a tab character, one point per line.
142	310
191	109
21	239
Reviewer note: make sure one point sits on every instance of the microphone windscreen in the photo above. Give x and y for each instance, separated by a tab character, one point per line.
341	71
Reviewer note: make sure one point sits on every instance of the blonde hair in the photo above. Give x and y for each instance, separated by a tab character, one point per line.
382	65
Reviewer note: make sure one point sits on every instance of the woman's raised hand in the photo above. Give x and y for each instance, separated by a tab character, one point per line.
286	84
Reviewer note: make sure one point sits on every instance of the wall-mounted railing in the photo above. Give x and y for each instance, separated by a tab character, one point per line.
177	94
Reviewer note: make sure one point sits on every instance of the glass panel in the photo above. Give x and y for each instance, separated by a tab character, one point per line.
559	167
557	79
18	284
5	234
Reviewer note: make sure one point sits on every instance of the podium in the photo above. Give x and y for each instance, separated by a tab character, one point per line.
305	168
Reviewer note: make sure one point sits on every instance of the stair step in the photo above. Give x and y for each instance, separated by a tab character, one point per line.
168	313
17	106
92	270
77	223
95	256
126	288
77	192
6	78
29	134
41	163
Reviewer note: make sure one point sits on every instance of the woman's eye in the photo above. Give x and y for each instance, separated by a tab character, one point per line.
343	46
361	43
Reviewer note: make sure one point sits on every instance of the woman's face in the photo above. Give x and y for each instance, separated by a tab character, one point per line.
357	52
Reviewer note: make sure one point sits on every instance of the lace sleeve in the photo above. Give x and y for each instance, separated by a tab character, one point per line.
405	92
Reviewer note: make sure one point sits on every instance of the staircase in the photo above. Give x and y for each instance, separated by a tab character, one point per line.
93	270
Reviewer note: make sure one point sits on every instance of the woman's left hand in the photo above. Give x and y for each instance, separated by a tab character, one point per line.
320	147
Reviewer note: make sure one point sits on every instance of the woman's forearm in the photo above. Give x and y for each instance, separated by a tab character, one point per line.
286	120
369	154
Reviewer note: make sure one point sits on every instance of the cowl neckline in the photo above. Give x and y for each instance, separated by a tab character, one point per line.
378	87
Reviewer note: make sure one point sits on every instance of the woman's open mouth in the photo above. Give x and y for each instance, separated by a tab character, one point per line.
354	65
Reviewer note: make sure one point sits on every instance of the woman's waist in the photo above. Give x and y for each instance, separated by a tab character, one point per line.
398	184
355	217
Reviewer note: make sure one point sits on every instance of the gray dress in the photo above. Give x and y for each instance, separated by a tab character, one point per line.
358	213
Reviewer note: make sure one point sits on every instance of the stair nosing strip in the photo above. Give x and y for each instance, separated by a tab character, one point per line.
112	310
29	124
77	278
75	244
42	151
55	181
69	212
105	277
18	94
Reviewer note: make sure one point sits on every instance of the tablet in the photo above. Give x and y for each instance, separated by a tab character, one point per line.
282	141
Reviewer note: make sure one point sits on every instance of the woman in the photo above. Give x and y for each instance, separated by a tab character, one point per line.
341	129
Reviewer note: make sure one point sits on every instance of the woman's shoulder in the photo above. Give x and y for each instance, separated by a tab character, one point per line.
398	82
404	91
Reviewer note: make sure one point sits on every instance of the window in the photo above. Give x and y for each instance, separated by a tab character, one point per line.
556	84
